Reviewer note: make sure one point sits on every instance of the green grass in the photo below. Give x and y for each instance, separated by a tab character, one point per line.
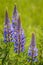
31	13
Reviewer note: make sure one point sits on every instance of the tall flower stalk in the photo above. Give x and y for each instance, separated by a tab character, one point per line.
19	38
7	37
15	17
33	51
18	32
14	21
8	29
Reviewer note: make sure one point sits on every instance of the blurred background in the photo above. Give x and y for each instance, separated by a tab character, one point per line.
31	13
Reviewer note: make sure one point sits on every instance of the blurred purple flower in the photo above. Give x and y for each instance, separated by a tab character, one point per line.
14	17
8	29
18	32
33	51
19	38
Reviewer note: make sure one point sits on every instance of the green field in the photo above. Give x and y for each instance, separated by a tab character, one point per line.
31	13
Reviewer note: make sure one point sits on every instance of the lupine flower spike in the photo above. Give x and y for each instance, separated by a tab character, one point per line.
7	29
33	51
19	38
14	21
15	17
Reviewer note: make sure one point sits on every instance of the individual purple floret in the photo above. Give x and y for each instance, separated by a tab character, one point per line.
33	51
19	38
8	29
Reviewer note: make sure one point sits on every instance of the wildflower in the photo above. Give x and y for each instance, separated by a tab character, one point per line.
7	29
15	17
19	38
33	51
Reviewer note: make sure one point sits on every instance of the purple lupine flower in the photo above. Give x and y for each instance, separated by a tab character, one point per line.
7	29
33	51
19	38
14	17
